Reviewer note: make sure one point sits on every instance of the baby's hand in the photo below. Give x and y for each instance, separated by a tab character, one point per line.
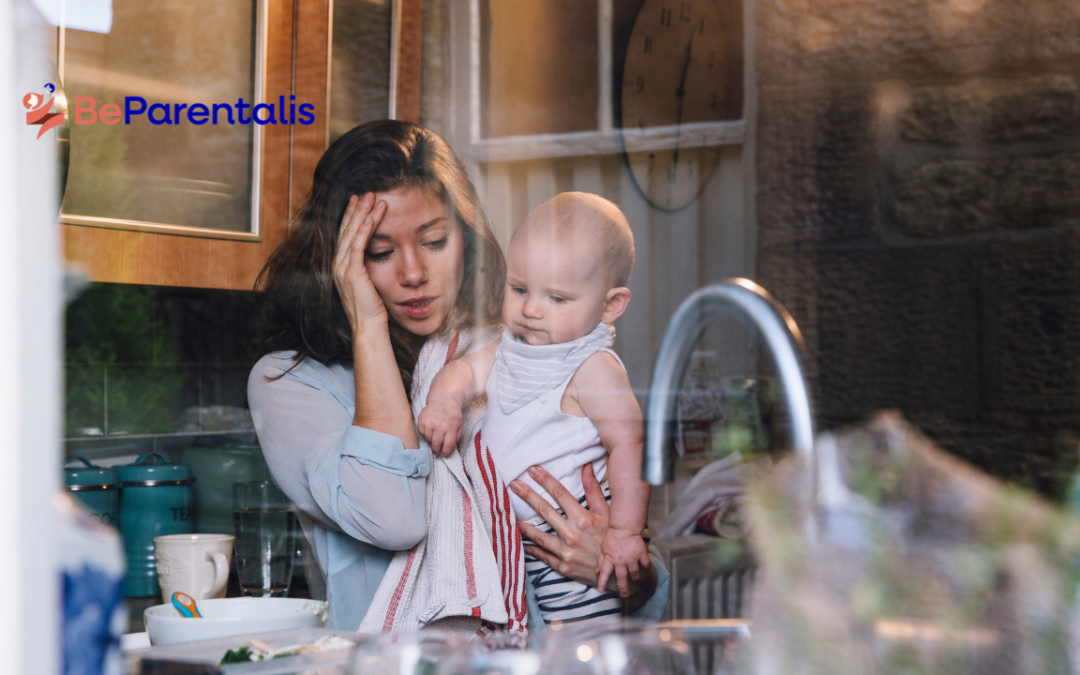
441	424
621	552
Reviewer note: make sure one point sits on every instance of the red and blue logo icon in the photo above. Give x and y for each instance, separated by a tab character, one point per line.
38	107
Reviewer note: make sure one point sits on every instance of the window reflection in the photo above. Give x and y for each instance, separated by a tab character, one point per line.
176	174
539	66
360	64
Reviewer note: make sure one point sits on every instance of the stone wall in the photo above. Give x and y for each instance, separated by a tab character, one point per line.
918	205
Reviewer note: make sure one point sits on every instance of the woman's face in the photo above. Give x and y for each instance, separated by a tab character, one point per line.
415	259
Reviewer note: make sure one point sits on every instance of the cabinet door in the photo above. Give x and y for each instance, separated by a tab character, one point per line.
169	201
295	59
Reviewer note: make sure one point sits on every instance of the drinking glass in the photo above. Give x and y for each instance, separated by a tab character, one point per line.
428	652
615	647
500	654
264	539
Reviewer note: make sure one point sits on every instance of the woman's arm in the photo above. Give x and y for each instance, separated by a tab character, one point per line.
381	402
346	478
574	552
352	466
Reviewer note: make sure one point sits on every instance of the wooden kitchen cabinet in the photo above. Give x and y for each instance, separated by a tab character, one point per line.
297	53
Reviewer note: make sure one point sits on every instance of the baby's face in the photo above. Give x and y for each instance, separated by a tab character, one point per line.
555	290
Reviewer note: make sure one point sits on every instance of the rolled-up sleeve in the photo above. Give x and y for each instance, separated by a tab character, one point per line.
347	478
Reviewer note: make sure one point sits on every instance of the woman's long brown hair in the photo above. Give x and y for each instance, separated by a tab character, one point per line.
304	313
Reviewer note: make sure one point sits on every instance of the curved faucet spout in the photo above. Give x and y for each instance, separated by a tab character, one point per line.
741	299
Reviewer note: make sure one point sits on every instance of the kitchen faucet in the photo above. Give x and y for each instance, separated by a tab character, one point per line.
745	300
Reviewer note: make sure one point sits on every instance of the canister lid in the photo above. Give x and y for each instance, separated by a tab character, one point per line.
88	475
142	473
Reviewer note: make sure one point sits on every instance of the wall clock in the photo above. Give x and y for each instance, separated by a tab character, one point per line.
675	73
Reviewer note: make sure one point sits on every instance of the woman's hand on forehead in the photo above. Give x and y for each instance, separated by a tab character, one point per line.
359	298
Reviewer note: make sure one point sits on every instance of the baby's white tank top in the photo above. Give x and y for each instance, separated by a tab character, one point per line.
540	433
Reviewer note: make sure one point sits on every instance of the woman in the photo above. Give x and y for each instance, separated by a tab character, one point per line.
391	248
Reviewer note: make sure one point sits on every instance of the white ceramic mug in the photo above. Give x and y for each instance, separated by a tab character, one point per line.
196	564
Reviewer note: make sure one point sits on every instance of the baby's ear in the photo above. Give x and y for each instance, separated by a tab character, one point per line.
615	303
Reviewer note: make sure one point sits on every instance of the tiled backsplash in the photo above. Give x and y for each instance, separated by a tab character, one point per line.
150	367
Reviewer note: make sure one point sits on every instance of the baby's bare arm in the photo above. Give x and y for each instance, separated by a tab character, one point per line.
456	385
463	381
603	391
605	396
480	362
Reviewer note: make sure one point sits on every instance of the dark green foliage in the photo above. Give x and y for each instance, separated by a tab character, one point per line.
242	655
112	342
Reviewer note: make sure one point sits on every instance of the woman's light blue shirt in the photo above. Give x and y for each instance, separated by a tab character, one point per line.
359	494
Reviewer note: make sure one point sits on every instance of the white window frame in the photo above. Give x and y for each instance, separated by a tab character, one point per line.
606	139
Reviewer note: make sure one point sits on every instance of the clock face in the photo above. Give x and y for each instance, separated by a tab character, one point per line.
676	73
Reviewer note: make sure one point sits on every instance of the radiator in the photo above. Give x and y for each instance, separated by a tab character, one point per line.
710	579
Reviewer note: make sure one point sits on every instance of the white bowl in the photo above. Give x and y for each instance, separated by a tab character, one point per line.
227	617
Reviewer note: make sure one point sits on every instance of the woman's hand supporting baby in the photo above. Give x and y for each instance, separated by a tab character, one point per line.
577	543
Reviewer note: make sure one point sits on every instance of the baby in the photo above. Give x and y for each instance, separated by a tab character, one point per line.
558	396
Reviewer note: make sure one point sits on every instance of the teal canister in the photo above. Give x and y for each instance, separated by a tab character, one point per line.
155	500
96	487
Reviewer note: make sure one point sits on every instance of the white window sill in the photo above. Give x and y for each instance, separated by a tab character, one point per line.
585	143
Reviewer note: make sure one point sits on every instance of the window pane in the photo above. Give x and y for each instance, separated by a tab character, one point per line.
677	62
539	70
360	68
178	173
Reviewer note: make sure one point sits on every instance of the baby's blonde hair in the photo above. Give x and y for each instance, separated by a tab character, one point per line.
600	222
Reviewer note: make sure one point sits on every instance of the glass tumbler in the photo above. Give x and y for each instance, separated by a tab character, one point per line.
265	549
429	652
615	647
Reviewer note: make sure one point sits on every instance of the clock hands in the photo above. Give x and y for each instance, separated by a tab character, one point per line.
670	39
680	94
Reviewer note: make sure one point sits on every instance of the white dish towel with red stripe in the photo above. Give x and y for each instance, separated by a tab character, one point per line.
468	574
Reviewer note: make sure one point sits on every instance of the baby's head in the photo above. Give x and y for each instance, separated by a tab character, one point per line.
567	269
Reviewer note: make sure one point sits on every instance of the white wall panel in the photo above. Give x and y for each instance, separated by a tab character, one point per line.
586	176
725	252
540	183
497	193
724	235
633	332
